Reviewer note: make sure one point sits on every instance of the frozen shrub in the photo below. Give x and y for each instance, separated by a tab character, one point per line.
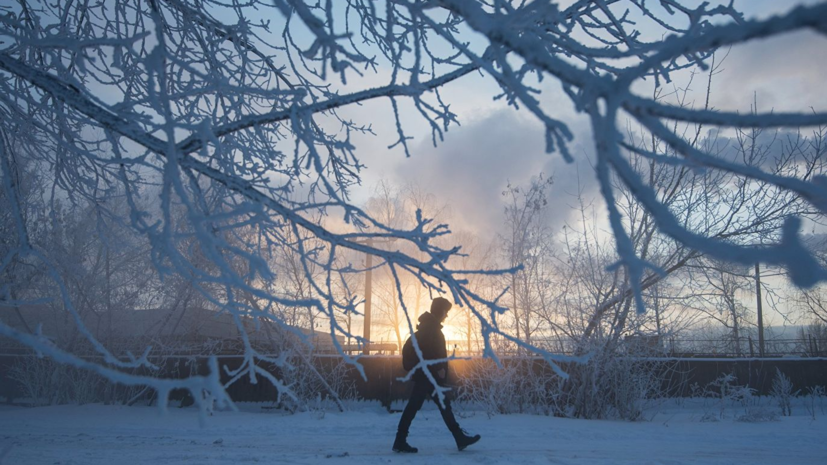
815	400
782	391
760	414
612	385
709	417
726	393
609	385
309	383
38	379
83	386
45	382
521	385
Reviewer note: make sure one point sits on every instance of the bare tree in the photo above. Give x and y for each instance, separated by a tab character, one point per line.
815	302
526	244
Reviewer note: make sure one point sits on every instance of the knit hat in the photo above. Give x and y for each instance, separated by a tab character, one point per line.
440	306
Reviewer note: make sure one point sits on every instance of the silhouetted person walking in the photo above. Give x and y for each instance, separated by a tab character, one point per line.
432	343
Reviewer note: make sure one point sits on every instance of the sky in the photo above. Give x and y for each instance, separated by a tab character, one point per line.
497	145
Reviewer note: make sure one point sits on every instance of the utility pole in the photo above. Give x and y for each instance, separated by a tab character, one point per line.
760	310
368	293
468	322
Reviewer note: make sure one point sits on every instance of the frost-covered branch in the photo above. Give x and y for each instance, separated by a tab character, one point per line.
212	136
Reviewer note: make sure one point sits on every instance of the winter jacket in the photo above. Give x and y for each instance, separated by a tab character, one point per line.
432	343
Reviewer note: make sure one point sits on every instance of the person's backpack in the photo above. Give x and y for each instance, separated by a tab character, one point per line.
409	358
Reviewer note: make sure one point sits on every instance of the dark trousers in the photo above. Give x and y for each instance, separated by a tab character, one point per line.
423	389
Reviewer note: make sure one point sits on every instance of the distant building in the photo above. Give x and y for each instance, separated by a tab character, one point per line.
193	331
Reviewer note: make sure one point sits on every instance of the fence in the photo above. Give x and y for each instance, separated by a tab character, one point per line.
383	373
727	347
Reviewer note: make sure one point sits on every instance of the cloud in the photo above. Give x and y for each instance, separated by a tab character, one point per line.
471	169
784	73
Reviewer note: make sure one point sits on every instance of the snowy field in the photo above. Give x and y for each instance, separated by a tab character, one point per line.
97	434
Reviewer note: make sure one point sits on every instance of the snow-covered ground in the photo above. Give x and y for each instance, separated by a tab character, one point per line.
113	435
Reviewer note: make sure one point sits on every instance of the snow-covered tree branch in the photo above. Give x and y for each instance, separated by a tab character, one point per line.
219	135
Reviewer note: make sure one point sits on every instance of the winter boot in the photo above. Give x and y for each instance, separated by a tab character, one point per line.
464	440
401	444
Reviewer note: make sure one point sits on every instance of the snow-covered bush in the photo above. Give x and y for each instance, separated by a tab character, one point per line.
613	385
521	385
752	410
310	379
814	401
84	386
313	384
782	392
748	407
609	385
38	379
726	393
757	415
45	382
